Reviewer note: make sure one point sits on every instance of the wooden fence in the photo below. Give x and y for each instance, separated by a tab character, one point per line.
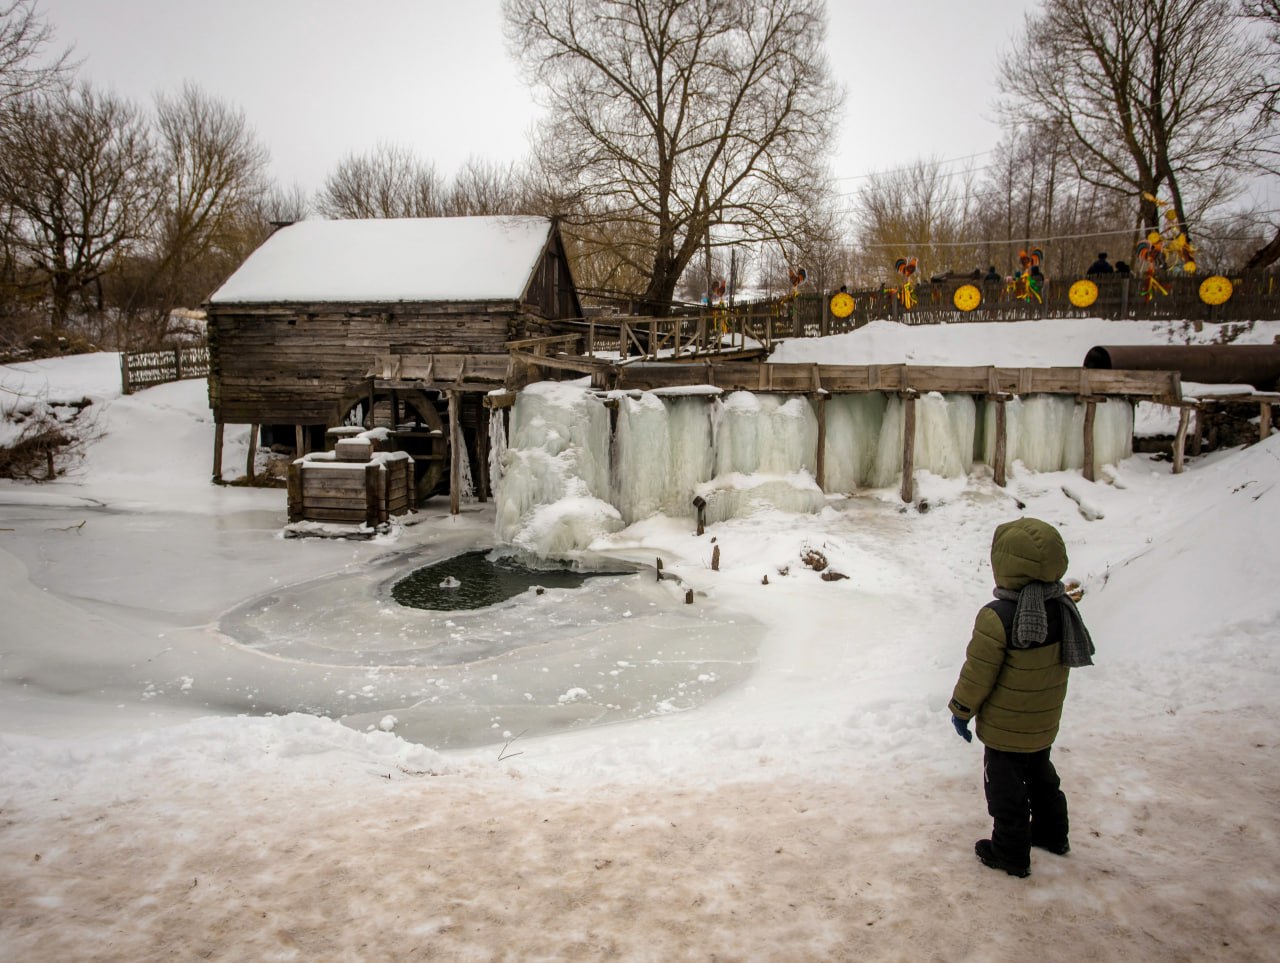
142	369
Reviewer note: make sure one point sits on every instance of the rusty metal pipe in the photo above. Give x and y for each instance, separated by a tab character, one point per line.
1243	364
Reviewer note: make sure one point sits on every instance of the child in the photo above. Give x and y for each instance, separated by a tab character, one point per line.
1014	680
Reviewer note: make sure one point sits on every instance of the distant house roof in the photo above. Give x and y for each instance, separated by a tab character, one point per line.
392	259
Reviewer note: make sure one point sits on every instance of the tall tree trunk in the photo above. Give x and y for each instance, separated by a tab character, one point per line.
1266	255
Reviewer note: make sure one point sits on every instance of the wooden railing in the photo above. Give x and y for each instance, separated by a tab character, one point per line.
1255	297
142	369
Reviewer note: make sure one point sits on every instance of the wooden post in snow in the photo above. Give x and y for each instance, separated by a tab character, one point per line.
455	456
1090	413
217	452
295	491
373	513
1180	439
822	432
908	444
253	453
1000	468
482	454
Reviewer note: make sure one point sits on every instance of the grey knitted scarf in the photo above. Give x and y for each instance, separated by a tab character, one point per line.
1031	621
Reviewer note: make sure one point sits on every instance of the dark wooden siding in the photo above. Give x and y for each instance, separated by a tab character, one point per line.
293	363
551	291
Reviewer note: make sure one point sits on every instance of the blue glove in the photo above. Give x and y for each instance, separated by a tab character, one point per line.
962	728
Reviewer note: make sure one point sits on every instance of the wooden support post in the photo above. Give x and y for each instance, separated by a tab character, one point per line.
217	452
700	505
482	454
410	486
374	510
253	453
1001	466
822	441
908	446
1198	434
295	492
1180	439
371	402
1090	413
298	441
1264	420
455	456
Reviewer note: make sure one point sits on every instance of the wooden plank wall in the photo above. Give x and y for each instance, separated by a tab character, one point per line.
292	364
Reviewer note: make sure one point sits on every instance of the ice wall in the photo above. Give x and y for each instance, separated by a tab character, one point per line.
853	435
765	456
1046	432
945	429
564	477
662	451
552	500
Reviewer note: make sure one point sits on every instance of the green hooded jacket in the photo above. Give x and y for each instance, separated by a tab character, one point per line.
1016	694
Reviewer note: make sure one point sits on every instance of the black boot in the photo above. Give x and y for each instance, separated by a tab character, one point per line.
986	852
1058	849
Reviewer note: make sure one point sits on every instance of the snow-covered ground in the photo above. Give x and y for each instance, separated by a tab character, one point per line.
160	799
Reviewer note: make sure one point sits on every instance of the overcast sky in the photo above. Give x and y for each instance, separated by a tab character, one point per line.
320	78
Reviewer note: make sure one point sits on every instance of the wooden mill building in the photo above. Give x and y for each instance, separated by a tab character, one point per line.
322	324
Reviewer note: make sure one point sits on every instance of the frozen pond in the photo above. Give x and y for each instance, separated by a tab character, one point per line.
159	626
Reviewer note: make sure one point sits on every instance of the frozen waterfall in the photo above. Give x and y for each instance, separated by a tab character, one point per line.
571	470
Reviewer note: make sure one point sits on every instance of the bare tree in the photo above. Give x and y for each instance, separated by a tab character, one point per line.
279	206
388	181
212	175
1148	93
77	180
674	117
919	211
24	39
1266	14
484	187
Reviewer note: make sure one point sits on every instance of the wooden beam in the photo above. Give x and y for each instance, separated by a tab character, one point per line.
482	454
373	513
1000	468
822	442
1180	439
582	365
1090	413
455	462
217	452
253	453
295	492
908	446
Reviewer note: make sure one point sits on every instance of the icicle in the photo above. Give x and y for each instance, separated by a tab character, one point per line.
497	446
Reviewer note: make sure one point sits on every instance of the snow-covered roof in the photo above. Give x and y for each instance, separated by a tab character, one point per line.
392	259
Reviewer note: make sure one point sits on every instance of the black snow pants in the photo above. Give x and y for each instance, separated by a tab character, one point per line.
1024	799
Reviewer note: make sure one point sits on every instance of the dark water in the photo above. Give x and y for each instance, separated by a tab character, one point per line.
481	581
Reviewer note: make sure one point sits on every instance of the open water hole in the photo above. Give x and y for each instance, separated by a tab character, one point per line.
474	580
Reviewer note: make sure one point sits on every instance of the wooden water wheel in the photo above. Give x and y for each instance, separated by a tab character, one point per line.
415	424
